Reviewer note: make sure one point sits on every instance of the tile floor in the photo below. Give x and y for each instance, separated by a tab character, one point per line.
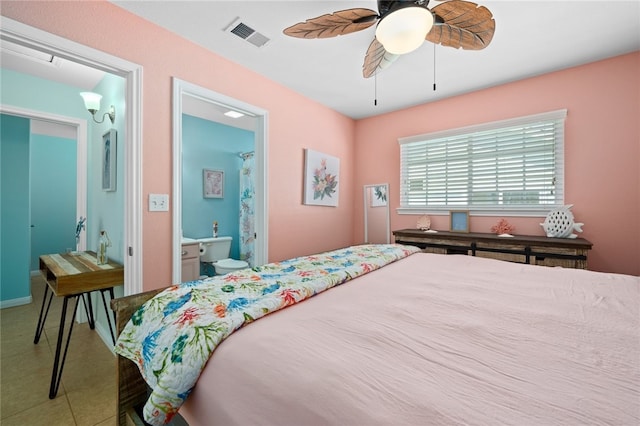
86	396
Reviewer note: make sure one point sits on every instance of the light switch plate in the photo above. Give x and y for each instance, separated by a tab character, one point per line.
158	202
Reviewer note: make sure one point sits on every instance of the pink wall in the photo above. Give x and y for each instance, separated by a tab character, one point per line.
602	150
294	229
602	138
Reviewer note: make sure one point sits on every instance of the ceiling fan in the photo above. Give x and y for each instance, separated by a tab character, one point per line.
403	25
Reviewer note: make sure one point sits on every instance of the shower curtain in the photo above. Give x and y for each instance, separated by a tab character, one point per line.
247	195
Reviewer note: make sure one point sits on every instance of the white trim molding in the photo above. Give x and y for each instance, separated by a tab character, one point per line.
15	302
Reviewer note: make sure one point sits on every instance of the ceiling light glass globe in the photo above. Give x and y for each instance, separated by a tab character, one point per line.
404	30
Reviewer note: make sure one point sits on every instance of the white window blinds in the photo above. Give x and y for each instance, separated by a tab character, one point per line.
511	165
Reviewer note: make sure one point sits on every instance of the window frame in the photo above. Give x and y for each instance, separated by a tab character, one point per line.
494	209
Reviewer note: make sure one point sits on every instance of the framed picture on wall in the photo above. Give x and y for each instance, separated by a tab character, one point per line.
321	177
213	183
109	149
459	220
379	196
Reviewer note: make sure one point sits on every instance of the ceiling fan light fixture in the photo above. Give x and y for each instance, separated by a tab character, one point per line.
404	30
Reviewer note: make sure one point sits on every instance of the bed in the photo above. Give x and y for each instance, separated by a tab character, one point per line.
390	335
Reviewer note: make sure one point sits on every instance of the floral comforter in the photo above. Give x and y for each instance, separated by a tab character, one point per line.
172	336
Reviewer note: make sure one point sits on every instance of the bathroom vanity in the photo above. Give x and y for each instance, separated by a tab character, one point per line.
190	261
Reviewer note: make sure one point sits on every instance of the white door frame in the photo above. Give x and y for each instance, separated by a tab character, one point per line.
182	88
35	38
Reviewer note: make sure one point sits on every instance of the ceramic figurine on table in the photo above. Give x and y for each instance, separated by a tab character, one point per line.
424	224
560	224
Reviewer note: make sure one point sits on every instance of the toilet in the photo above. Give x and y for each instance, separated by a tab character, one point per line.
216	252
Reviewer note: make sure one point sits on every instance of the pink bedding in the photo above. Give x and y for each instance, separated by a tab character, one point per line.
434	339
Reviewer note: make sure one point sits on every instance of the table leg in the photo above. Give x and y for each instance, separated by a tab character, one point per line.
113	313
56	374
88	309
43	319
106	312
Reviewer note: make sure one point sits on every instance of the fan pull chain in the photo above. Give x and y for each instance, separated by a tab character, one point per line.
434	67
375	88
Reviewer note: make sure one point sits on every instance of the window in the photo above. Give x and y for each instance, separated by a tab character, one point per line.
513	166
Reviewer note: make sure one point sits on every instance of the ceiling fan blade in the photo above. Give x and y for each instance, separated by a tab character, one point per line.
377	58
334	24
462	24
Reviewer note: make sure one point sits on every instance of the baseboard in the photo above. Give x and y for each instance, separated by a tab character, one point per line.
15	302
105	335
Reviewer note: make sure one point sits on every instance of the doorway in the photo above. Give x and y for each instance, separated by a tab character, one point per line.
24	35
75	129
183	90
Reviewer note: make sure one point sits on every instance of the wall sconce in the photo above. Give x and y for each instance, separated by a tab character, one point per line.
92	103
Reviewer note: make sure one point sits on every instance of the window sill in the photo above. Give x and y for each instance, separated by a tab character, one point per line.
475	211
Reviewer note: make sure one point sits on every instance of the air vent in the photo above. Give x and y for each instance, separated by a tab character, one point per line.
247	33
242	30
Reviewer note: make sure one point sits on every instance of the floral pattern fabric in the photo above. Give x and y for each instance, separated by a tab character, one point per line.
172	336
247	209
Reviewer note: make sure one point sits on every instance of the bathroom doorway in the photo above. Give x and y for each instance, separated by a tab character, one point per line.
184	94
217	183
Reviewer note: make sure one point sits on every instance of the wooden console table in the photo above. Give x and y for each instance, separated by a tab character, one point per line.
565	252
74	275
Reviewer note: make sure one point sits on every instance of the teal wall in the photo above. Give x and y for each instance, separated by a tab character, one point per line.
53	195
104	210
26	91
210	145
14	204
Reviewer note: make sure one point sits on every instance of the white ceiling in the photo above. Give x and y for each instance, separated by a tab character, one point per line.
531	38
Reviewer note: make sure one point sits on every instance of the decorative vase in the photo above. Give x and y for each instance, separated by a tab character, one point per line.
103	243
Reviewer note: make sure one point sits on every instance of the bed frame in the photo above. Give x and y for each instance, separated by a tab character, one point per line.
132	391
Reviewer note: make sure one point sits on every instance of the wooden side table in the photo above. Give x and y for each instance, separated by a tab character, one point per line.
536	250
74	276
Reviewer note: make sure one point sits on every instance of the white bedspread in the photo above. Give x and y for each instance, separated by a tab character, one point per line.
436	340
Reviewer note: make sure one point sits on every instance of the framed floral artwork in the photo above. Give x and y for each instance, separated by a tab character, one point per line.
379	196
109	149
213	183
321	179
